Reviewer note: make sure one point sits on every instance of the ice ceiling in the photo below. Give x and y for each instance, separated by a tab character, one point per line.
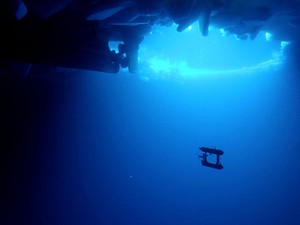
165	53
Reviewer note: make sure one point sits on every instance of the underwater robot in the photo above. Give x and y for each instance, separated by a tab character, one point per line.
211	151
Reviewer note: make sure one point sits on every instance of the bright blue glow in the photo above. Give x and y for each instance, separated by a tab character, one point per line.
268	36
164	66
165	53
189	28
113	45
223	33
283	44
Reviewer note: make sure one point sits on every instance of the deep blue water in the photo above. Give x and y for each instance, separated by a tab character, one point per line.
93	148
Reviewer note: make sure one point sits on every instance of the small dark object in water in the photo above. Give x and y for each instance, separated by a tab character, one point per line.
214	151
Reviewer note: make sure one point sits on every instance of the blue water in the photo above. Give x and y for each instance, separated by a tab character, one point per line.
110	149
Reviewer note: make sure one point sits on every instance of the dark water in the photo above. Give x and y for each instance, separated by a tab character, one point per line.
92	148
